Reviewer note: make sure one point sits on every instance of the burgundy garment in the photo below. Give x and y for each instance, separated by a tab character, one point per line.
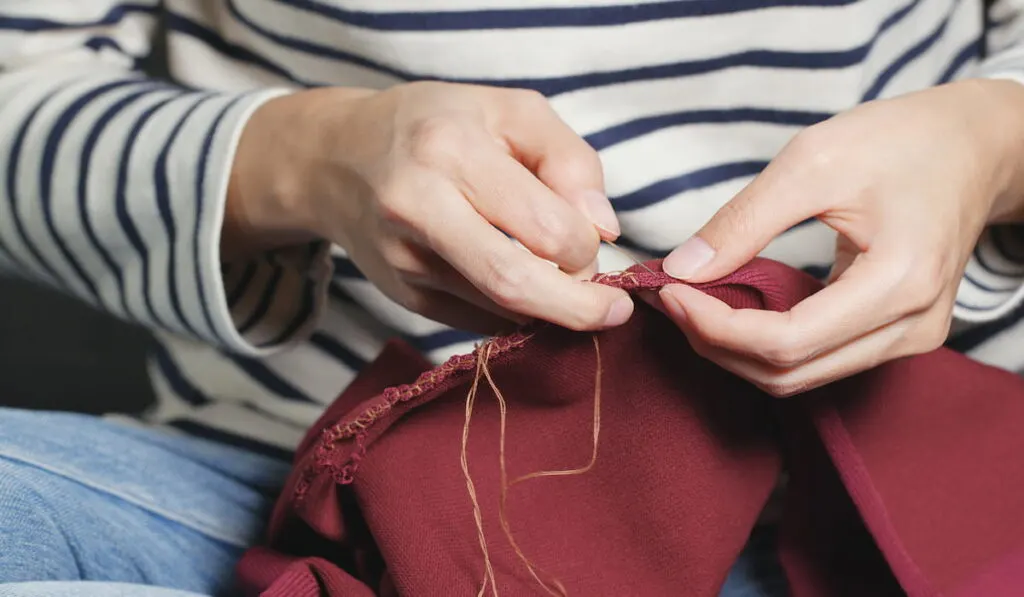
908	479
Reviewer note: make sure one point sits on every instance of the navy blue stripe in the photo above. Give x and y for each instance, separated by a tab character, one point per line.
976	336
300	319
337	350
178	382
84	170
909	56
200	198
268	379
818	271
345	268
266	300
124	217
338	293
969	52
992	24
266	414
237	441
548	17
983	262
100	42
558	85
627	242
689	181
8	255
442	339
114	15
642	126
243	283
997	234
47	172
987	287
163	205
13	170
211	38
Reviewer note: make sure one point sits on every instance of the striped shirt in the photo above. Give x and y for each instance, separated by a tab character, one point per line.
112	183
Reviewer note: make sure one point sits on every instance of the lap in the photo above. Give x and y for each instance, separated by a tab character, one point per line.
87	589
83	498
132	509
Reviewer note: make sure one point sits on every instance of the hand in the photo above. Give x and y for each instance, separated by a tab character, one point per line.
908	184
418	184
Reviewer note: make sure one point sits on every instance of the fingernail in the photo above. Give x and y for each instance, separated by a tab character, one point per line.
672	304
688	258
600	212
619	313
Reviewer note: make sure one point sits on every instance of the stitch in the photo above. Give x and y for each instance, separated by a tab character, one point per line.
388	398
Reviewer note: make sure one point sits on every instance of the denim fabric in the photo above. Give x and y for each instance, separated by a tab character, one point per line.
87	589
88	499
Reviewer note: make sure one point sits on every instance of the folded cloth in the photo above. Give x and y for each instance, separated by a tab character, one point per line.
907	479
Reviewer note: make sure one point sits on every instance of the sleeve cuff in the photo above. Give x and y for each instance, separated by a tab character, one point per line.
274	300
260	306
993	282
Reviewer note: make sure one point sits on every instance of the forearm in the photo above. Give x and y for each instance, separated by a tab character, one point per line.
113	184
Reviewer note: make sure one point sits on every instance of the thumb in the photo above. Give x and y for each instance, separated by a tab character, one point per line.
739	231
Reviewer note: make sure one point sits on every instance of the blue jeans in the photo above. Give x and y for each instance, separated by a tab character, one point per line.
94	508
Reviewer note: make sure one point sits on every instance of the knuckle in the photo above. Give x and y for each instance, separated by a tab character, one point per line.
582	166
736	217
935	335
786	353
783	387
530	99
436	140
392	208
813	148
923	280
588	316
414	301
701	348
506	283
554	236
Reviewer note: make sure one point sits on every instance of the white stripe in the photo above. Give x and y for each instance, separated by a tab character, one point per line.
557	51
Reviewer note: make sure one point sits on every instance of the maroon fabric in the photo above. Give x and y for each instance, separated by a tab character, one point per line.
904	480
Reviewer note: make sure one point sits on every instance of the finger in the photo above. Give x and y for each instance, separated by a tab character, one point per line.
517	280
444	308
865	353
743	227
846	252
439	306
859	302
435	274
513	199
856	357
559	157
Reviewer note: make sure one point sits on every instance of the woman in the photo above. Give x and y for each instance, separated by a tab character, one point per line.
274	236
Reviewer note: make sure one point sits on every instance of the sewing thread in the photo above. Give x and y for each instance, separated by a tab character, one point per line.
553	587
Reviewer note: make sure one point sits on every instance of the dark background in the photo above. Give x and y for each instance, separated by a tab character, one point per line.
56	353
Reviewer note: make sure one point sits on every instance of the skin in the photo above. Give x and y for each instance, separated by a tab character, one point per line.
909	184
417	183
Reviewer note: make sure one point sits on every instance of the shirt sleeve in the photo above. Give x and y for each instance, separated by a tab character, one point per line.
112	183
993	283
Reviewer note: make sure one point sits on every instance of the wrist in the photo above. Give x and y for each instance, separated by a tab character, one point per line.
277	172
1002	106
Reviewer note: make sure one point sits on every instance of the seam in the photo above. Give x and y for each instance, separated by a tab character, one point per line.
324	460
194	525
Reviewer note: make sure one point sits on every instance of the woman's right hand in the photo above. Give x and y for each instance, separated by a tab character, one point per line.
420	184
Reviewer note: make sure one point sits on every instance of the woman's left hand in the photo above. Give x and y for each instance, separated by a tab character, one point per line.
909	184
